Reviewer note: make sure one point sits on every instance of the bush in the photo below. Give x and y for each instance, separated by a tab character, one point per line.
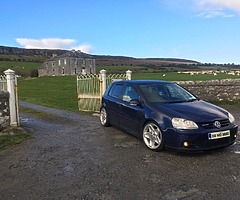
34	73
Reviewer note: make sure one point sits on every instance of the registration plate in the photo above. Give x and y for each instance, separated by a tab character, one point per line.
217	135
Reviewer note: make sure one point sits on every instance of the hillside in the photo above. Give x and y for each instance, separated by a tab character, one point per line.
40	55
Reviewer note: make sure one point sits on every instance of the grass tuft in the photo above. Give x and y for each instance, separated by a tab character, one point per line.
13	136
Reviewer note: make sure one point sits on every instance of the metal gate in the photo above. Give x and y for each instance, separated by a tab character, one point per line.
88	89
3	83
91	87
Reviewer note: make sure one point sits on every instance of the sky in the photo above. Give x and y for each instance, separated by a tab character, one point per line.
207	31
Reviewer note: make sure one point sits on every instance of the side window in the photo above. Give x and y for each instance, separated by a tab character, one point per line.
116	91
129	94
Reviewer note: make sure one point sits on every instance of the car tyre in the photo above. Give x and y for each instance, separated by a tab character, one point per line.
153	137
104	117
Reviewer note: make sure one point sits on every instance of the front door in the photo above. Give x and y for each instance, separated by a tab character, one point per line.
131	115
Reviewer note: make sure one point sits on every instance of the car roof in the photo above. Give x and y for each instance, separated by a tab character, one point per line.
142	82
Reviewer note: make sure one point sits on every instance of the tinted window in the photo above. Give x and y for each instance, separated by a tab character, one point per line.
116	91
129	94
166	93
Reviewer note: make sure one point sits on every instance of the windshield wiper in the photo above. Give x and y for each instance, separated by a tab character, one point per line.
177	102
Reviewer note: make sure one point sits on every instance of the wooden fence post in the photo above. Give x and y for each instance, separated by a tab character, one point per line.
10	76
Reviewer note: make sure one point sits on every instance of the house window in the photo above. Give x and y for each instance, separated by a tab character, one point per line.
59	62
63	70
65	61
53	64
83	62
75	70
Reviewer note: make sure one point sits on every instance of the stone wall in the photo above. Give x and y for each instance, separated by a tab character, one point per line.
4	110
226	89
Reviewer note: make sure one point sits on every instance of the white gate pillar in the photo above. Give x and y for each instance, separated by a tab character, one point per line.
10	75
103	79
128	75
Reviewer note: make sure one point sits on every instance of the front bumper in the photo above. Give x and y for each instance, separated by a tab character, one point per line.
198	140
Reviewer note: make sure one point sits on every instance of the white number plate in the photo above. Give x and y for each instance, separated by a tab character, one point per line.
217	135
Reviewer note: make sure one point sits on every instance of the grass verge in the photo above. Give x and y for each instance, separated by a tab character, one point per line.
37	113
13	136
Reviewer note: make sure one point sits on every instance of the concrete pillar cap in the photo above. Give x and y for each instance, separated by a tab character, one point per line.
9	71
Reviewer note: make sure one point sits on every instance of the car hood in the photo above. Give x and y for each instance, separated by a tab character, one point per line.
198	111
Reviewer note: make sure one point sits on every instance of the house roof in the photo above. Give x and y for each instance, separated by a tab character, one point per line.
72	54
75	54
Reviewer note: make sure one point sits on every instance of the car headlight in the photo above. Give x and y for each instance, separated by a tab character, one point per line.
180	123
231	118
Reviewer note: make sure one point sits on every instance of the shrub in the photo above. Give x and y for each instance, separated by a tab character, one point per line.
34	73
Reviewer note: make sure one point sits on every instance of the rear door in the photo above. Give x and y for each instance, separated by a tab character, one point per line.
114	103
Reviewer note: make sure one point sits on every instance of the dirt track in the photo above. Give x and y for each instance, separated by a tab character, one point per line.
73	157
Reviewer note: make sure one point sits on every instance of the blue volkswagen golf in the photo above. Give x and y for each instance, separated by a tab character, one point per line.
164	114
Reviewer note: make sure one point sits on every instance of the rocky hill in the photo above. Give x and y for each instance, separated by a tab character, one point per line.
40	55
29	52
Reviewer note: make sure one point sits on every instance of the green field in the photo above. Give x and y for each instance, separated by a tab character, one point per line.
57	92
174	76
21	68
111	69
61	92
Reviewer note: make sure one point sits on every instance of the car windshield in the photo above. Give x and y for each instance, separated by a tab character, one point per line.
166	93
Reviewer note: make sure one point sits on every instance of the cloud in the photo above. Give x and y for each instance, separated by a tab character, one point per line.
53	43
214	13
87	48
225	4
217	8
206	8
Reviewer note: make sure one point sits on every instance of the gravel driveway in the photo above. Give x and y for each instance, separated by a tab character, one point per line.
71	156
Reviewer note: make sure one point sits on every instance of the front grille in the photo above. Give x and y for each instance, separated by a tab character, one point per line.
210	125
219	142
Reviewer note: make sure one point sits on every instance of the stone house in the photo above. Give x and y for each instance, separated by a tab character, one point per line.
70	63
